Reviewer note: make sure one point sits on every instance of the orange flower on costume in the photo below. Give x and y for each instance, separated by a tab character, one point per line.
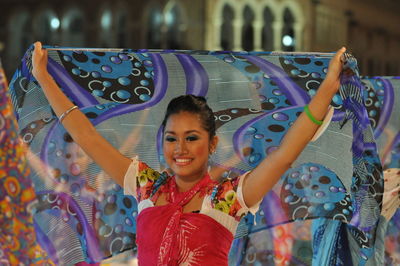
12	186
235	208
227	186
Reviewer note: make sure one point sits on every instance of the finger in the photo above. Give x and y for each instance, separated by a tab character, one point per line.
340	53
38	46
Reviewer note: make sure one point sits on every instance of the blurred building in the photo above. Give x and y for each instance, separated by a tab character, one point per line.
369	28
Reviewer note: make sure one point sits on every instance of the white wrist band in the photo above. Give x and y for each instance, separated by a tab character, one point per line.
63	115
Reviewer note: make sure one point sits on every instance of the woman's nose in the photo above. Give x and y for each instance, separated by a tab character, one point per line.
180	146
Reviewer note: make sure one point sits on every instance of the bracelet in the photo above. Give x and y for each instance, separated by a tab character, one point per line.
63	115
312	118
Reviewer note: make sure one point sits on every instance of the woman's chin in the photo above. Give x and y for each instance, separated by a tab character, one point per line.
187	173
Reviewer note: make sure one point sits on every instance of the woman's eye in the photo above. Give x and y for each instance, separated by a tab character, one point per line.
170	139
192	138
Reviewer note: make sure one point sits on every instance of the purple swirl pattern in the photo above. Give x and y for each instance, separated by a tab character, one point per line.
196	76
160	87
70	87
296	95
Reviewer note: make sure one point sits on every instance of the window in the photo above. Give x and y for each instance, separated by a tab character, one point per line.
153	35
288	38
247	29
166	30
175	26
267	31
227	28
105	33
122	30
73	28
46	25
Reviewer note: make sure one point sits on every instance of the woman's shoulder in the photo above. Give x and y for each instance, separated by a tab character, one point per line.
224	196
149	181
231	182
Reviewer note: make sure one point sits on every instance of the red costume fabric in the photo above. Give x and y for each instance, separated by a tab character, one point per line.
181	238
168	236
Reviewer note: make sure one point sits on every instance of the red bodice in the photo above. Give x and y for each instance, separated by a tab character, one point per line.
167	236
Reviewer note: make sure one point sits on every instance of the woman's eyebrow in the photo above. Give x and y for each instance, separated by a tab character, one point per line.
186	132
192	131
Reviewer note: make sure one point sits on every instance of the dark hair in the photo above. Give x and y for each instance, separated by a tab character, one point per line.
195	105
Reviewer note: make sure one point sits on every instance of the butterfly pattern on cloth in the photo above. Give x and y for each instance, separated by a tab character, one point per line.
255	97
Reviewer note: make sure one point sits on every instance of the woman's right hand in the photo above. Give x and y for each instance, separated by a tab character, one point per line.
39	61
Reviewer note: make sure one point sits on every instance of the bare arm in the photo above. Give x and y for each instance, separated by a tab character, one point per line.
268	172
77	124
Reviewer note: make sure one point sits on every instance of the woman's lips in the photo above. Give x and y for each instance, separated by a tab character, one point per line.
182	161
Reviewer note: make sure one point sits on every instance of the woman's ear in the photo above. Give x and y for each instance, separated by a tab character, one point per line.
213	144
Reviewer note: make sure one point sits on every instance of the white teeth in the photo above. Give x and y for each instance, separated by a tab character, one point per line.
182	160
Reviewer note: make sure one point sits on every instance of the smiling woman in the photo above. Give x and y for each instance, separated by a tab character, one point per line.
172	221
181	215
185	146
189	138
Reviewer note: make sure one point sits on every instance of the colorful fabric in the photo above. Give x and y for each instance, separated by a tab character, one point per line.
222	201
255	98
17	196
223	195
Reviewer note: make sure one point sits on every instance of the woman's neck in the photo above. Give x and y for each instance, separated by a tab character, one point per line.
186	183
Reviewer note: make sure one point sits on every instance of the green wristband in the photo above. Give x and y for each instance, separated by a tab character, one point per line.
312	118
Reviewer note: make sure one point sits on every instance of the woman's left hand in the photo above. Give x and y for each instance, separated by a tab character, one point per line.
335	69
39	61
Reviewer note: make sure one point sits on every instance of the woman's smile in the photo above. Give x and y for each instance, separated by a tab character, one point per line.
186	146
182	161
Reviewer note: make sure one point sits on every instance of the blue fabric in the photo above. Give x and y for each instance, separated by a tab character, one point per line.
255	97
382	98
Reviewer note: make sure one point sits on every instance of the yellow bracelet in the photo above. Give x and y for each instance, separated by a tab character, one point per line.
63	115
312	118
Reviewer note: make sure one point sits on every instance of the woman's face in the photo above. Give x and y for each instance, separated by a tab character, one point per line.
187	145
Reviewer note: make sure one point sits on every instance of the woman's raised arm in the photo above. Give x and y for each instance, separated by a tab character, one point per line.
268	172
76	123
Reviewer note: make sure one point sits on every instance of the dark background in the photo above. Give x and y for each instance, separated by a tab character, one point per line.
370	29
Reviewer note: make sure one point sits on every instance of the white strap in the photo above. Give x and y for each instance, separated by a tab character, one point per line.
131	177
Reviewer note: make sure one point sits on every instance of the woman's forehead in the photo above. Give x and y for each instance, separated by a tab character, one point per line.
184	122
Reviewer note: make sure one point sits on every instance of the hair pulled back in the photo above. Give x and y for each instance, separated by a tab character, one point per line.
195	105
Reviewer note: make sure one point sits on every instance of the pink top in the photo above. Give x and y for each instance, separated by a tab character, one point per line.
167	236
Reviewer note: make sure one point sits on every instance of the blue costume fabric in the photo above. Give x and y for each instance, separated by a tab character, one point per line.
331	195
380	97
382	100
